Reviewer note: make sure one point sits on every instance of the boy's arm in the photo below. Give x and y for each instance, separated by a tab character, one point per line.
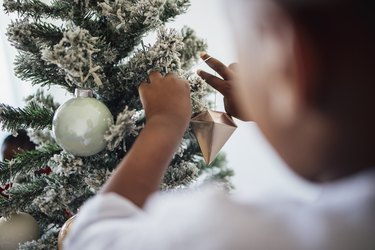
166	101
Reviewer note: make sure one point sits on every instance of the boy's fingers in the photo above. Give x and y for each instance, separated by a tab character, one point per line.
141	90
212	80
154	76
142	87
170	74
216	65
233	67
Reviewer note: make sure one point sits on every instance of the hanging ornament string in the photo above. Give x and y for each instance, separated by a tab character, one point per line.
195	67
191	71
211	128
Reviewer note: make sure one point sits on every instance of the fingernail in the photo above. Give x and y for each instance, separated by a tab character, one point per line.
203	54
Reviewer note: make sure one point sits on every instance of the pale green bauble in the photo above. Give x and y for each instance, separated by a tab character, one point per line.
79	124
18	228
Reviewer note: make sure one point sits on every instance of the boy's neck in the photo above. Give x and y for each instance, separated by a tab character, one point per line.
320	151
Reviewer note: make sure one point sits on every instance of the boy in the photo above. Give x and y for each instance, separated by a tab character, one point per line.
306	78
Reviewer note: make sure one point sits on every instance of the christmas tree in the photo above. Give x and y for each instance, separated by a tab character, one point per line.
96	45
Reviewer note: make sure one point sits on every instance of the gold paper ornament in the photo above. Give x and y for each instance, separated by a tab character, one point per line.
212	130
65	231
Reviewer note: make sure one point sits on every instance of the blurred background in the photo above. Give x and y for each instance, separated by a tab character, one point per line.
259	172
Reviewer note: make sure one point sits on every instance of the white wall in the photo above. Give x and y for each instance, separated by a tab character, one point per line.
11	90
259	171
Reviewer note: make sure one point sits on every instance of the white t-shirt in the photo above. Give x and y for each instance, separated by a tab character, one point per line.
207	219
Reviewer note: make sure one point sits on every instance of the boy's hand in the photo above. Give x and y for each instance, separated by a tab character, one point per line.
226	86
166	99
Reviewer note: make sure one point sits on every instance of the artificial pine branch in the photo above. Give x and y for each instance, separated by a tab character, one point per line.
37	9
173	8
3	165
30	66
122	24
162	56
21	196
30	37
193	45
180	174
42	99
104	160
32	116
218	171
27	162
45	242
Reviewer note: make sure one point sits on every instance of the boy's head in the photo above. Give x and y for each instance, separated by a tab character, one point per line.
15	144
308	73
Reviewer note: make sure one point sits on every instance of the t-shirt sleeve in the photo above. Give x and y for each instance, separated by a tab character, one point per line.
168	221
203	219
104	220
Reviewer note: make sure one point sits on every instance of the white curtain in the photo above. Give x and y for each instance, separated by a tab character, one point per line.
12	89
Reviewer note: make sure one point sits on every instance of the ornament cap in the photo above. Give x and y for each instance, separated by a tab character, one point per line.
83	92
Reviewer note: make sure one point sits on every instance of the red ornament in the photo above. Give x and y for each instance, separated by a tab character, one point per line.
67	213
46	171
2	190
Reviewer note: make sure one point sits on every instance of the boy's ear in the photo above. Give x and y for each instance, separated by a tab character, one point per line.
283	104
289	81
289	93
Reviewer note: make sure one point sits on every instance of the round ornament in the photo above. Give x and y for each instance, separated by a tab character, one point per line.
80	123
18	228
65	231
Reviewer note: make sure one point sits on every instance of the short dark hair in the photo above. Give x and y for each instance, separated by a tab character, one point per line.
342	33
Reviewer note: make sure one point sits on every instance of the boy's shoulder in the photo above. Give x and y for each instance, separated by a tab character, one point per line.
327	223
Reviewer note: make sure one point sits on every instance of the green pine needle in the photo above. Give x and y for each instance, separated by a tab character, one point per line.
37	9
30	67
28	192
27	162
31	116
